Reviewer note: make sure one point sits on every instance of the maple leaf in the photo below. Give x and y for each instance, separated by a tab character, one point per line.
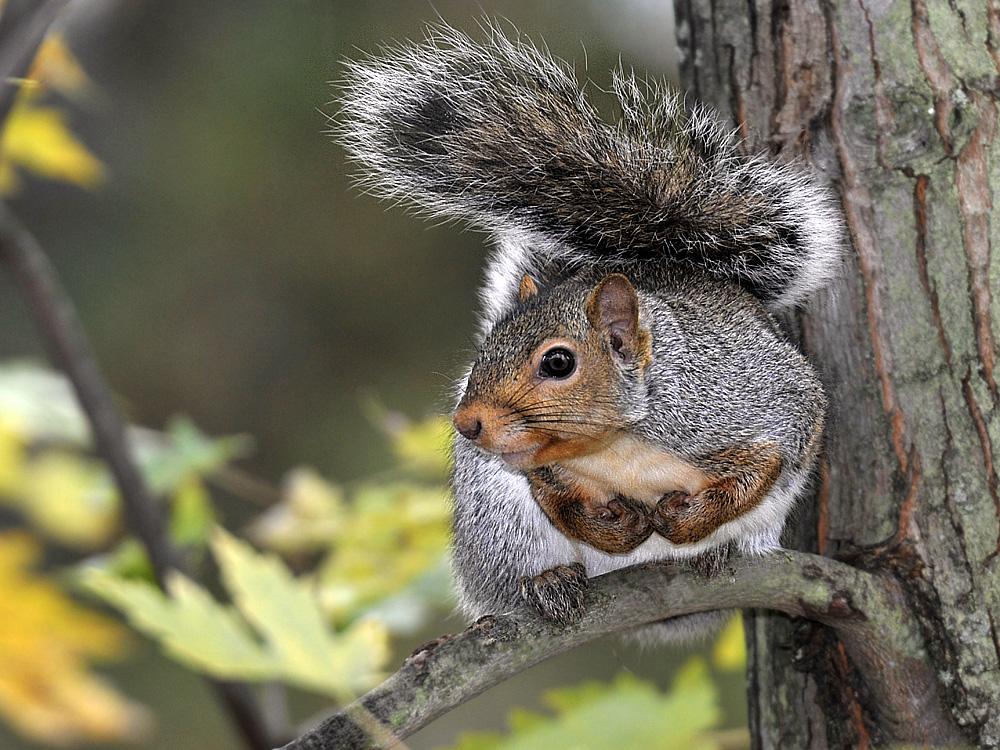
56	67
46	643
628	713
37	138
276	630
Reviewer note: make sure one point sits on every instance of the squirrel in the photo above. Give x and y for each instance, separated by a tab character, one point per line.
633	399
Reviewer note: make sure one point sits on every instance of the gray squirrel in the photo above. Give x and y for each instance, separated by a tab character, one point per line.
632	400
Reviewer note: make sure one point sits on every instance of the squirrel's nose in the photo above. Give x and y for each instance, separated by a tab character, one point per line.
468	425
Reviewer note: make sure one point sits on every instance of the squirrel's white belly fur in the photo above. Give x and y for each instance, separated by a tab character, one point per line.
635	467
755	532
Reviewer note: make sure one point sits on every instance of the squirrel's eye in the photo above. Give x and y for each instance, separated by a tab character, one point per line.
557	363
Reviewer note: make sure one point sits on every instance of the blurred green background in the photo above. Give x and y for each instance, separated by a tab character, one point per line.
228	270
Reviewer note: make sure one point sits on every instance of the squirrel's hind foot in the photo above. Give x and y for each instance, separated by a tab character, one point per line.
711	563
557	594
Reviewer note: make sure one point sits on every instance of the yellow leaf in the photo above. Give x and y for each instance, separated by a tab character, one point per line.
39	140
69	497
285	611
275	631
730	651
46	640
424	446
57	68
66	495
392	536
310	514
192	627
13	456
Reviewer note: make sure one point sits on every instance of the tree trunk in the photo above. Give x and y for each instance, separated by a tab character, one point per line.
895	102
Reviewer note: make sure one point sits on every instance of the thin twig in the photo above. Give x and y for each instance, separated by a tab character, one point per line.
869	614
55	316
21	254
23	25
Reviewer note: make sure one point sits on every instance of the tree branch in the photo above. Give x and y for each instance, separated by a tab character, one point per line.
869	614
59	324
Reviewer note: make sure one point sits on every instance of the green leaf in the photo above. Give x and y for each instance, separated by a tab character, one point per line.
185	451
295	645
48	474
192	516
285	612
387	546
393	535
479	741
628	714
425	445
422	446
192	627
128	560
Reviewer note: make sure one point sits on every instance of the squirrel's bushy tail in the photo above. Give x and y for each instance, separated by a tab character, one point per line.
500	134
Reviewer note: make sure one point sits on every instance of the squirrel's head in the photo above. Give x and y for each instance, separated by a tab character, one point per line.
555	378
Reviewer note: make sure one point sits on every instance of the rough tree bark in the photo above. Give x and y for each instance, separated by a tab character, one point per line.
896	102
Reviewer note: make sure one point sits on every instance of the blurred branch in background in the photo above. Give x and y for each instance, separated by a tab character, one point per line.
23	25
369	561
203	105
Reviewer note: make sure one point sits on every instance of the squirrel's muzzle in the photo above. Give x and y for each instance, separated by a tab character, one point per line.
469	425
488	427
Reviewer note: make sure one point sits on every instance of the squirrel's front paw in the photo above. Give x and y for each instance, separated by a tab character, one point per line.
557	593
619	526
680	518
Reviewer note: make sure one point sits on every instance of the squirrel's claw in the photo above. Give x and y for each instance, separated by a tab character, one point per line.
557	593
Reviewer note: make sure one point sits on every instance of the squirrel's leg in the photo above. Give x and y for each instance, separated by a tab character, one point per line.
500	537
744	475
617	525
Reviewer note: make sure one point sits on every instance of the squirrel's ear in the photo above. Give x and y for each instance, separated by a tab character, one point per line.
614	308
528	288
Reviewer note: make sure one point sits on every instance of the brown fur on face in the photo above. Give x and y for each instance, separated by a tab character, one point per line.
511	409
531	420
